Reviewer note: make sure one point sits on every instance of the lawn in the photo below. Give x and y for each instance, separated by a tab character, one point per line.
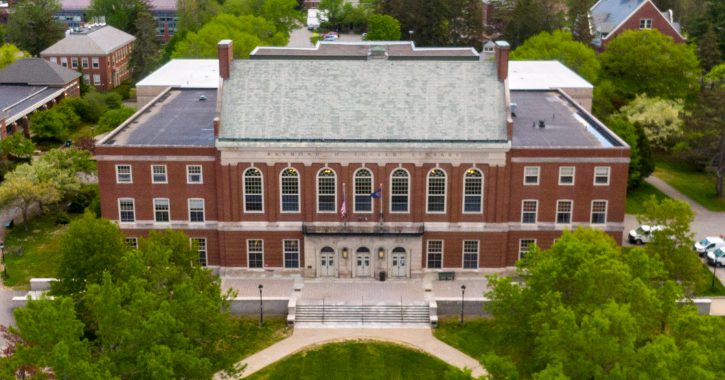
356	360
252	338
636	197
476	337
84	131
39	247
719	289
698	186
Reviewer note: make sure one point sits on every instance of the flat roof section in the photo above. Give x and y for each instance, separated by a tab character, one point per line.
396	50
177	118
185	73
543	75
566	126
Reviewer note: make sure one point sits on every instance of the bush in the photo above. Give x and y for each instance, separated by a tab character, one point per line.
78	105
60	217
95	206
73	120
124	89
50	124
17	146
96	106
114	118
113	100
83	199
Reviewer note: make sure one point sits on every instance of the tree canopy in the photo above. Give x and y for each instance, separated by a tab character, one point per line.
383	28
560	46
33	26
9	53
281	13
17	146
660	118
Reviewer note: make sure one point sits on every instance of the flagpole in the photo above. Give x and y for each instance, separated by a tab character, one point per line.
381	205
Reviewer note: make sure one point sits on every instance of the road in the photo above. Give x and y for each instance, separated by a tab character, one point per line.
301	38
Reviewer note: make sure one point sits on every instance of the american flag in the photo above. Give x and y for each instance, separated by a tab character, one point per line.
342	208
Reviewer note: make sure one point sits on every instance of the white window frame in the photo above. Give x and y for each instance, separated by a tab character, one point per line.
133	203
538	175
130	174
248	260
95	62
463	254
355	194
527	246
53	59
284	252
647	23
87	79
244	190
317	187
427	252
134	240
536	213
571	211
573	175
168	211
428	195
463	200
299	192
96	82
206	250
64	61
609	174
166	174
188	175
74	62
84	62
407	179
203	208
606	211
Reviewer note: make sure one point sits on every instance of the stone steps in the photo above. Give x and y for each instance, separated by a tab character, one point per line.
363	314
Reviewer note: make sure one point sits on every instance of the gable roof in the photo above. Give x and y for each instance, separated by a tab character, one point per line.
609	15
37	71
160	5
96	41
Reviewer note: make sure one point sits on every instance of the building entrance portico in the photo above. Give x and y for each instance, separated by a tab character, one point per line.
362	260
328	262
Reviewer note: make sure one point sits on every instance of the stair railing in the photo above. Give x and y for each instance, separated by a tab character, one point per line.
401	309
323	309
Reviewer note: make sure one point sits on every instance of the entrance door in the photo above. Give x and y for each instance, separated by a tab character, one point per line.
363	268
399	263
327	262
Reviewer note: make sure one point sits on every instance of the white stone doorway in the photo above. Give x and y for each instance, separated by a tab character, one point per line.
328	262
400	263
362	262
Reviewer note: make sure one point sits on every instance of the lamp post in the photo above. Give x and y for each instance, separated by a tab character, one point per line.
411	34
92	133
463	293
261	310
714	270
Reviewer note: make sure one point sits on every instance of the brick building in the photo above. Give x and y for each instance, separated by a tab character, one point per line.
257	173
611	18
101	51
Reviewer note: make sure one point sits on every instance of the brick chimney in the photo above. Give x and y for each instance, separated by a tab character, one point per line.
502	59
226	52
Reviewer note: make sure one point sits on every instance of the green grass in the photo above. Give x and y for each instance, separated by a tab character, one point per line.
356	360
39	257
252	338
698	186
476	337
84	131
636	197
708	291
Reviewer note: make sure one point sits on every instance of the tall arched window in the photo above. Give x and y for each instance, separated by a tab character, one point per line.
363	189
399	190
326	190
290	185
473	191
437	191
253	198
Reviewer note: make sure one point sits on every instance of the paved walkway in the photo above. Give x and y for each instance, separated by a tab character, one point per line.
421	339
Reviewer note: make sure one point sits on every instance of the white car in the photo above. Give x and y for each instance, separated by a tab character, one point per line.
643	234
330	37
716	258
708	245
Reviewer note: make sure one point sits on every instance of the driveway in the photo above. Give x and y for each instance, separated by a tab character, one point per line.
6	309
301	38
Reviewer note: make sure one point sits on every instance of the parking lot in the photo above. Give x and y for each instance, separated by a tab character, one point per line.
301	38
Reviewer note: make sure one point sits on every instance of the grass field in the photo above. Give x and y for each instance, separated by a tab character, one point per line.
719	289
39	257
476	337
698	186
636	197
356	360
252	338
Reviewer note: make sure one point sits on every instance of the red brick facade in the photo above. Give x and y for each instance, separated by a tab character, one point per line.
109	72
646	11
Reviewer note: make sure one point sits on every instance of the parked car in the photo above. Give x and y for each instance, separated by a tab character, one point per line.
643	234
716	258
708	245
364	35
330	37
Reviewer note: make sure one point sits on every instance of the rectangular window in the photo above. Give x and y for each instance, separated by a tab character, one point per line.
253	201
87	79
601	176
524	247
74	62
563	212
291	253
326	191
158	173
290	191
645	23
96	79
435	254
161	210
599	212
123	174
201	244
470	254
529	211
193	174
196	210
53	59
132	243
126	209
95	63
399	193
64	61
255	252
566	175
84	62
531	175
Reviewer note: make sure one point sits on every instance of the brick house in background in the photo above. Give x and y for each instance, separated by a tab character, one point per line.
32	84
101	51
611	18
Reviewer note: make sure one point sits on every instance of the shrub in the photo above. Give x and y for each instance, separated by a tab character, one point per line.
124	89
73	120
114	118
50	124
60	217
95	206
17	146
82	199
113	100
78	105
96	106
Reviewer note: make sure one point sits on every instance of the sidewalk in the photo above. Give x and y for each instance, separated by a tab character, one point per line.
421	338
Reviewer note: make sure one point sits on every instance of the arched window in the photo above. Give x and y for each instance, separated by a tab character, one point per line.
399	190
253	198
363	189
398	250
290	184
473	191
437	191
326	190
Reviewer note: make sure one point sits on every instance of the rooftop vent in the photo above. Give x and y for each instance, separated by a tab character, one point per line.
542	124
513	109
377	52
202	97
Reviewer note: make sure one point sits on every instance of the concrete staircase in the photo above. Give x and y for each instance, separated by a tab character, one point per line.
362	314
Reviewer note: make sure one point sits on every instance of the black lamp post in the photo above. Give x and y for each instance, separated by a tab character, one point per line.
411	34
92	134
463	293
261	310
714	270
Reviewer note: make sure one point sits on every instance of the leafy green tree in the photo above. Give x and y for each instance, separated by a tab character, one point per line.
9	54
33	26
22	190
648	62
702	16
717	75
531	17
281	13
581	21
383	28
146	55
626	131
358	16
17	146
246	32
68	109
70	159
334	11
646	160
65	182
708	51
121	14
560	46
83	86
660	118
194	14
96	106
113	100
171	46
113	118
49	124
76	105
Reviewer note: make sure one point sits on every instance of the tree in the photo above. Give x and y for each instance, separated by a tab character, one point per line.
708	51
145	56
648	62
49	124
77	105
113	118
194	14
531	17
96	106
22	189
706	14
65	182
581	21
383	28
334	12
17	146
121	14
9	54
560	46
71	160
68	109
281	13
626	131
660	118
83	86
33	26
359	16
717	75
